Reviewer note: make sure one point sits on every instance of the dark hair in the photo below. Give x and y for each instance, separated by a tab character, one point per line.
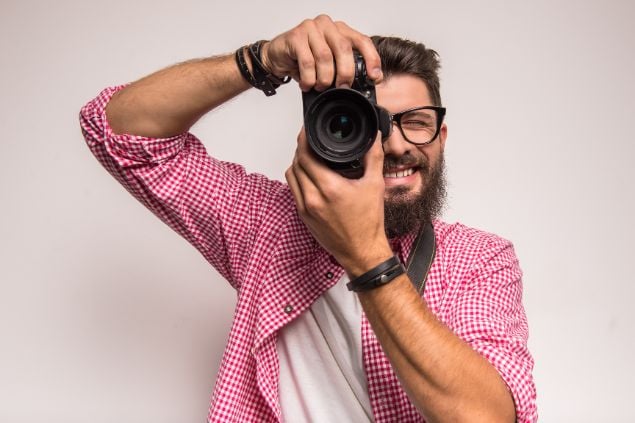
401	56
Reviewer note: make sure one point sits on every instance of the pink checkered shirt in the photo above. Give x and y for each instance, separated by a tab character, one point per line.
247	227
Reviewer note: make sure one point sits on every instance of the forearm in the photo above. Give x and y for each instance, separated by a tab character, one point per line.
444	377
170	101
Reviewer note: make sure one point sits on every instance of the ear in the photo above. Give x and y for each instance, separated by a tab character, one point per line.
443	135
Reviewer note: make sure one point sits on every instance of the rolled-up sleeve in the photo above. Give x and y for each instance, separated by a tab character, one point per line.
489	315
214	205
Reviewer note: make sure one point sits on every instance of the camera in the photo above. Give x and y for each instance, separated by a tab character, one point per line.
341	124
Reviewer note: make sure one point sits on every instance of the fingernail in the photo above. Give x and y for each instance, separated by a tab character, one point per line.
343	85
376	73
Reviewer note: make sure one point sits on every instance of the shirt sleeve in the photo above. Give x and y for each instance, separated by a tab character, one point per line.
214	205
489	315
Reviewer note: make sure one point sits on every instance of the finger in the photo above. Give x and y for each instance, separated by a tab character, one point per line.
315	169
298	40
325	69
366	47
296	191
342	49
312	196
340	43
374	160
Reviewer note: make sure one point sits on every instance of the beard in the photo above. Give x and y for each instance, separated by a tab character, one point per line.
405	211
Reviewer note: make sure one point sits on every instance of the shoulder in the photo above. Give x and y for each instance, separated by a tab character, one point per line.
464	250
456	237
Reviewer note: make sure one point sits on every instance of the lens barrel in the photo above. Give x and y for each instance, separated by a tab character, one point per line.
341	125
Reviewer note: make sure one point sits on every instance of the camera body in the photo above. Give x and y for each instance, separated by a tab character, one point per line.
341	124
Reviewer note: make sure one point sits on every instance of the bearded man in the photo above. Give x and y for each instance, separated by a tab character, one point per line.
303	347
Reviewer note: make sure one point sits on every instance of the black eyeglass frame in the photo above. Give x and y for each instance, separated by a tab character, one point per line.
440	111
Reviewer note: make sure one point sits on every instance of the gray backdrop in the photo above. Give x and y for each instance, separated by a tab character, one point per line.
106	315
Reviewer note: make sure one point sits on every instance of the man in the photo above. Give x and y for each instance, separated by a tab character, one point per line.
302	347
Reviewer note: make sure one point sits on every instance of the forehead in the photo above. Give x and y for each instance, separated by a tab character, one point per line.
401	92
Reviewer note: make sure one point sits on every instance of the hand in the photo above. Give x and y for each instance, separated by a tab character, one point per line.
346	216
306	53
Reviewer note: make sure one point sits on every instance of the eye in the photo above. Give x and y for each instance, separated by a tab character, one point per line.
419	120
416	123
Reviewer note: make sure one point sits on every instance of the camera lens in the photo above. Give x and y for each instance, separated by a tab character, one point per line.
341	127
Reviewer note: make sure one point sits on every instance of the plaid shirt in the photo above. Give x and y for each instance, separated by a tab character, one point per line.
247	227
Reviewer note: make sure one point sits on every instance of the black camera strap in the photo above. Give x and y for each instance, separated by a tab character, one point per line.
421	257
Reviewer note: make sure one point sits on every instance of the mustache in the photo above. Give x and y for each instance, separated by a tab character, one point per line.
391	162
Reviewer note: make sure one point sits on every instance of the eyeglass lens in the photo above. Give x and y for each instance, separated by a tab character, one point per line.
419	126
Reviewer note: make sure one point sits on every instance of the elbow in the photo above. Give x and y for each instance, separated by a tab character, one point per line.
500	410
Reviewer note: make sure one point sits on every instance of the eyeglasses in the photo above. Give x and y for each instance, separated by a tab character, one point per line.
419	125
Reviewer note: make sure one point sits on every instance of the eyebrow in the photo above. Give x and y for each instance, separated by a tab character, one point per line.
424	112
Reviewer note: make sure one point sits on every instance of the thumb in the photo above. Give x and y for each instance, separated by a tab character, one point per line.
374	159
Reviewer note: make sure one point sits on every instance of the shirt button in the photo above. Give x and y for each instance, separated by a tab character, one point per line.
288	309
329	275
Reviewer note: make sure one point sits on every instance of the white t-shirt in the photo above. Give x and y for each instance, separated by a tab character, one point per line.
322	377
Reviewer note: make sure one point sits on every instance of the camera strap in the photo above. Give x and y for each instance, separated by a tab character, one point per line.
421	257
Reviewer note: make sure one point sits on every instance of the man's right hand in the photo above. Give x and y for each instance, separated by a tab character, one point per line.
319	50
170	101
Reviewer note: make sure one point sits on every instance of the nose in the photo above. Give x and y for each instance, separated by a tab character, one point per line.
396	145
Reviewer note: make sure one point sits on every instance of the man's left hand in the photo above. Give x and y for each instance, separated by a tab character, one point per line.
346	216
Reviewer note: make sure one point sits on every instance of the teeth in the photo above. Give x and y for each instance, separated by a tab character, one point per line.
400	174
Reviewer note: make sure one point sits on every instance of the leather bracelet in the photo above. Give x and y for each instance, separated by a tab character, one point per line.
259	77
242	66
377	276
255	52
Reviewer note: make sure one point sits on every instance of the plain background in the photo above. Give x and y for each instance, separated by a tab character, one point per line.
108	316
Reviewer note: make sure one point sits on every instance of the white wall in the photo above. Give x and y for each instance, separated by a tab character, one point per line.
106	315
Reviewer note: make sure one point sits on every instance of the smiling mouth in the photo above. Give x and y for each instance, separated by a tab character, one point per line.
400	173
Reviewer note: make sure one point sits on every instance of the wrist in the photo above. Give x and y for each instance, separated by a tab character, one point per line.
267	65
382	274
265	57
363	263
249	61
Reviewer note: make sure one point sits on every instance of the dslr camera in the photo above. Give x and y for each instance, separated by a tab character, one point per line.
341	124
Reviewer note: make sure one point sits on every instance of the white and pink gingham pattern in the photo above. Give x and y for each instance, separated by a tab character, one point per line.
247	227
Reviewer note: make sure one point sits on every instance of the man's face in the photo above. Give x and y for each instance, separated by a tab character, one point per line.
413	175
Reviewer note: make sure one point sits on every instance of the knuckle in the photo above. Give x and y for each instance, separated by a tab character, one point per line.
323	84
312	204
345	45
323	17
363	38
307	23
296	35
329	192
345	74
303	161
341	25
323	54
364	41
307	62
